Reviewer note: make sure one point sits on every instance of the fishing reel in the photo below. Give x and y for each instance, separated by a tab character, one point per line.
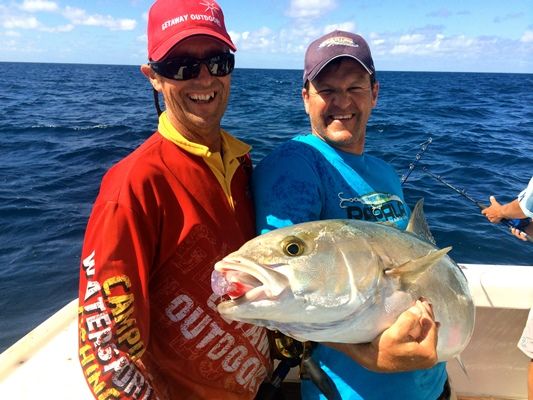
283	347
288	352
291	353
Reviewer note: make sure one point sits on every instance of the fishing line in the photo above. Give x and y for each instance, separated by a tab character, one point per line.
412	166
514	223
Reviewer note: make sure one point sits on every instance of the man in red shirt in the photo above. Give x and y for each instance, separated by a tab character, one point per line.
148	326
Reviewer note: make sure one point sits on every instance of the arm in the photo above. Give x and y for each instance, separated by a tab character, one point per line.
496	211
113	311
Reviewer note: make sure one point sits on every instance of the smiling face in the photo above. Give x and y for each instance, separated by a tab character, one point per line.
195	107
339	102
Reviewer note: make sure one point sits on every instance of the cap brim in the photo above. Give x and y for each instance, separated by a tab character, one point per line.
314	73
163	49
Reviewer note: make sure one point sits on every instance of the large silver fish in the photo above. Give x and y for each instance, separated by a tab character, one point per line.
345	281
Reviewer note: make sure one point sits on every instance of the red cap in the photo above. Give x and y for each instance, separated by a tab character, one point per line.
171	21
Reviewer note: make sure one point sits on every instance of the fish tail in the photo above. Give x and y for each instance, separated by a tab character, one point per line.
461	364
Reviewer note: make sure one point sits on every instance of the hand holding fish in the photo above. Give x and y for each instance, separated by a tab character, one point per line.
408	344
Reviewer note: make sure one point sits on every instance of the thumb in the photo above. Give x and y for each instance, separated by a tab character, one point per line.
493	200
409	324
429	332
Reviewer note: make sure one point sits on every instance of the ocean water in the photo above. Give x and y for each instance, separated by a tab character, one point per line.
63	125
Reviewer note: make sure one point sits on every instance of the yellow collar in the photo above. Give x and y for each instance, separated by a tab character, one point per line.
229	143
223	166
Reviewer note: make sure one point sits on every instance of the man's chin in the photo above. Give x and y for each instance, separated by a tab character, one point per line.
346	141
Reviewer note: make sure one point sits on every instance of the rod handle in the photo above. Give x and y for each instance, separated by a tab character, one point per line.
514	223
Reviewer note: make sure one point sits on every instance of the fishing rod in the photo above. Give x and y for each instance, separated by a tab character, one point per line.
517	224
423	148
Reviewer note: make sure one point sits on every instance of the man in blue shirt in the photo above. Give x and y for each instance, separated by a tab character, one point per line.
326	174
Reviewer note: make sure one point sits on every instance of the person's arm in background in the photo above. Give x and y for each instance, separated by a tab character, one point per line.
287	191
521	207
497	211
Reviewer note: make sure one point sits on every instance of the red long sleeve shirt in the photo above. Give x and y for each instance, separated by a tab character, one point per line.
148	326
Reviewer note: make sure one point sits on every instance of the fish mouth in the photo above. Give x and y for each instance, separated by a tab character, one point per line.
245	280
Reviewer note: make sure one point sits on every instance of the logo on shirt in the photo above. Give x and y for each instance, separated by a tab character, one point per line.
376	207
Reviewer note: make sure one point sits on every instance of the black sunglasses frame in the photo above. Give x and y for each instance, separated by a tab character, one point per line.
185	68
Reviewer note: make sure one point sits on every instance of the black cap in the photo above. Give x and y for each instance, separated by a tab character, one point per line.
334	45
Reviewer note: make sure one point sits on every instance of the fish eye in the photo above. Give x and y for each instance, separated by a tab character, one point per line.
293	246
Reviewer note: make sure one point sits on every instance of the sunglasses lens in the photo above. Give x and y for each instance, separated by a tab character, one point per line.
221	65
182	69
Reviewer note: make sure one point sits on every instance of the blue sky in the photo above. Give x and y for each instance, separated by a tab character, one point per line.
411	35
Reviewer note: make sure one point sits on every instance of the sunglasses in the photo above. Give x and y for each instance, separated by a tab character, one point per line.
185	68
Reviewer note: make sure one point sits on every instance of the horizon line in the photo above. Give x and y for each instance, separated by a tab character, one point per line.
268	68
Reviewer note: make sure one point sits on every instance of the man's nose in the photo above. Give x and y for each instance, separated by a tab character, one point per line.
342	99
204	72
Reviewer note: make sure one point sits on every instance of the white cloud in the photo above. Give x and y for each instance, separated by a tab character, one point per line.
22	48
438	45
341	26
411	39
38	5
310	8
78	16
377	42
289	40
61	28
9	45
527	37
12	19
262	39
12	34
20	22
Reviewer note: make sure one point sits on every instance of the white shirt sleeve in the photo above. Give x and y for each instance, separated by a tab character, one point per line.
525	199
526	340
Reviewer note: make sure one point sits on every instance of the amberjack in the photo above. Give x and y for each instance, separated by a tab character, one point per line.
345	281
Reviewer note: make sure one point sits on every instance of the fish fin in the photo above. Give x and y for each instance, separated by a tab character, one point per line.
413	268
461	364
418	224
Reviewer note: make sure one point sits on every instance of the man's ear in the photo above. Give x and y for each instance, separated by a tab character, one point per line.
305	98
151	76
375	92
